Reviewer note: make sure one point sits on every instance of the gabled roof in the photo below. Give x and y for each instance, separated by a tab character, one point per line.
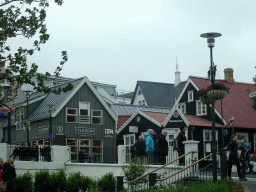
60	100
121	120
237	103
159	94
155	117
201	122
125	109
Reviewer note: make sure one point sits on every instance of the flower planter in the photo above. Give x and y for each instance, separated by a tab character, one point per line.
216	94
205	100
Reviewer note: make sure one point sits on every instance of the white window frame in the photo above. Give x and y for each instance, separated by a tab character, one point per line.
182	107
202	105
71	115
97	117
20	116
128	154
210	135
143	103
139	92
84	119
192	96
140	103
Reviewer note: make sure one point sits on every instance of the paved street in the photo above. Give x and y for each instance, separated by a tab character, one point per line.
250	185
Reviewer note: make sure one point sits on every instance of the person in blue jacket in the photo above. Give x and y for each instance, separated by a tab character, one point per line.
149	146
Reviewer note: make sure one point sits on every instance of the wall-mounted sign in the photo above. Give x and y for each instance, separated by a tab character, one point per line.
83	130
176	114
44	129
60	130
133	129
252	94
109	132
175	121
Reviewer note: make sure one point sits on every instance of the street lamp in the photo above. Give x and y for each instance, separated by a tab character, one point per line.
27	93
50	126
210	40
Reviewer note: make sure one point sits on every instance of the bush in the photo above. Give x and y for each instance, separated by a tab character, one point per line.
73	182
107	183
23	183
87	183
61	180
42	181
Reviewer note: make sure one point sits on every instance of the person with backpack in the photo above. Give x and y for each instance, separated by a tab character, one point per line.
140	148
163	148
8	173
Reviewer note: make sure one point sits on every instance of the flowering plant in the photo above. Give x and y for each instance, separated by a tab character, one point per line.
219	86
203	92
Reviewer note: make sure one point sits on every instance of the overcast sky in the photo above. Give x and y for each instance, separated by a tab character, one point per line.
120	42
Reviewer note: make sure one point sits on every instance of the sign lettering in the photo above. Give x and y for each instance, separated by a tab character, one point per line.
175	121
87	131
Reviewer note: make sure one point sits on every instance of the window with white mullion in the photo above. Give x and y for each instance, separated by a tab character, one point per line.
190	96
201	108
182	107
84	112
97	117
71	115
20	117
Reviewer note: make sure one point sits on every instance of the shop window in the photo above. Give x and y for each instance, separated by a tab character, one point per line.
71	115
97	117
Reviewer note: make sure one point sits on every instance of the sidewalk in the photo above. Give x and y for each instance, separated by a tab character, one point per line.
250	185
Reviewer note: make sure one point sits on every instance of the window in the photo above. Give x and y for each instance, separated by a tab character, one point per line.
140	92
143	103
97	117
84	112
182	107
20	117
208	137
240	134
71	115
129	141
139	102
72	143
200	108
190	96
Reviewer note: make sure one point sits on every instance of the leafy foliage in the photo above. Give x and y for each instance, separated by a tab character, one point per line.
203	92
216	86
23	183
29	23
42	180
107	182
254	99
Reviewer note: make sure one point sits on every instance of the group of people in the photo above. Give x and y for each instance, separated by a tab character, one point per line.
239	155
155	149
7	173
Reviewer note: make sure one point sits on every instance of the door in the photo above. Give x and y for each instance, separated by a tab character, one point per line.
129	141
171	135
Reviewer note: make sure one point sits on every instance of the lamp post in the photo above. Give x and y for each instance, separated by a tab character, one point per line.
210	40
50	125
27	93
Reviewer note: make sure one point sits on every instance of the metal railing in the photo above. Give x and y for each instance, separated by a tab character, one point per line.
22	153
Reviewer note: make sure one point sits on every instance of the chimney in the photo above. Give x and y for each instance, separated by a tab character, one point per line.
228	73
177	78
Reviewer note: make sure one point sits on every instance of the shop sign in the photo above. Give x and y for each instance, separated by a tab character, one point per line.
109	132
42	130
86	131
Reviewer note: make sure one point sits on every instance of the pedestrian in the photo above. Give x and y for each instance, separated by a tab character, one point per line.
243	159
163	148
149	146
8	173
155	153
1	165
233	157
140	147
181	147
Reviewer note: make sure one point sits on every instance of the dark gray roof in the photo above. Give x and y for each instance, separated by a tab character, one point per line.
125	109
42	110
159	94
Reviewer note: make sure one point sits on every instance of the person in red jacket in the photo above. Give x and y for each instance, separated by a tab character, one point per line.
1	165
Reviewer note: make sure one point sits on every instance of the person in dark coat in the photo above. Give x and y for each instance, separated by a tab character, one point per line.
8	173
233	157
155	153
1	165
163	148
181	148
140	146
243	159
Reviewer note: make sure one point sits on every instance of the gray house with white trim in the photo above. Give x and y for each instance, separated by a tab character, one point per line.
87	122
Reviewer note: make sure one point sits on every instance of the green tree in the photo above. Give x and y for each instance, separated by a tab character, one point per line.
27	20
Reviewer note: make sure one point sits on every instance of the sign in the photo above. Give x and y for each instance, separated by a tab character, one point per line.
83	130
60	130
42	130
175	121
176	114
109	132
28	122
252	94
133	129
52	136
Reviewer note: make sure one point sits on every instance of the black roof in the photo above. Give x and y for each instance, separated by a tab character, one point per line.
159	94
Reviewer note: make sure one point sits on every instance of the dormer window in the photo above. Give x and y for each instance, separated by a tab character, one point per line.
139	102
140	92
190	96
182	107
201	108
143	103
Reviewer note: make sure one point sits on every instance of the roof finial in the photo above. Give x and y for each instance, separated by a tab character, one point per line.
176	64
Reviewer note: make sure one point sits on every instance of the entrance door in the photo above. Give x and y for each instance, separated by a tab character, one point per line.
129	141
171	135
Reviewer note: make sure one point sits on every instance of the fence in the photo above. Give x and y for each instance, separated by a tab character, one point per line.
22	153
